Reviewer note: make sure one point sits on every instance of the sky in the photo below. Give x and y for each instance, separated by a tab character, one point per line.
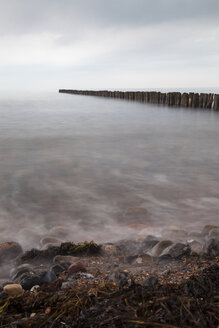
101	44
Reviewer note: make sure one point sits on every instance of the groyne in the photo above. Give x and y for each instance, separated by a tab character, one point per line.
175	99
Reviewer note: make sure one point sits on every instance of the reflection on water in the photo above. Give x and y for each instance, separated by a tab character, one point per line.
95	164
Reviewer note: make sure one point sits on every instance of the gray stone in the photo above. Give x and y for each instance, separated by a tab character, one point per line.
151	282
43	278
176	250
211	247
158	248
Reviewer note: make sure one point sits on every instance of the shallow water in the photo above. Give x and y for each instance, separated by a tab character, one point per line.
97	165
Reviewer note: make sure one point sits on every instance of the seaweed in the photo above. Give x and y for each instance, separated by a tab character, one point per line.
106	305
81	249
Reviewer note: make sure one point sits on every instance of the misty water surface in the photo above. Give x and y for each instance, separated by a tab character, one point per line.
97	165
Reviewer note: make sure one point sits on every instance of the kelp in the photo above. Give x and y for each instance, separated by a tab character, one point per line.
105	305
81	249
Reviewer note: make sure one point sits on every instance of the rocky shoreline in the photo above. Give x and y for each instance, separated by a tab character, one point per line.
166	281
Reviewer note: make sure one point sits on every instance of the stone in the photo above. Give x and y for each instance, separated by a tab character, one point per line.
176	250
196	247
43	278
57	268
46	246
149	242
67	285
159	247
51	239
128	247
9	251
211	247
35	289
61	259
13	290
109	249
121	278
20	270
144	259
213	233
207	228
151	282
75	268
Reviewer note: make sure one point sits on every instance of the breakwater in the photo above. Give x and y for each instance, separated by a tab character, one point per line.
176	99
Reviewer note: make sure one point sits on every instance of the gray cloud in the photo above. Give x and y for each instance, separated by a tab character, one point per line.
138	40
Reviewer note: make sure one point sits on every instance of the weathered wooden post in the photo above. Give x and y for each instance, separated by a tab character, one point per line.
216	102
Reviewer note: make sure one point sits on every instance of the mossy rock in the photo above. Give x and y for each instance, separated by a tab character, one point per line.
80	249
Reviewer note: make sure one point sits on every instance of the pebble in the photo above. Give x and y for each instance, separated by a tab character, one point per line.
150	282
57	268
35	289
75	268
43	278
61	259
13	290
121	278
20	270
51	239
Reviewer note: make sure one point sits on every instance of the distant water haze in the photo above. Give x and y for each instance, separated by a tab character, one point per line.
97	166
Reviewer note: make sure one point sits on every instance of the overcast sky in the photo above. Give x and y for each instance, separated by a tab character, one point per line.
98	44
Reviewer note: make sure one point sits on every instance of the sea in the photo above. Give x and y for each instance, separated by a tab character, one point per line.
99	167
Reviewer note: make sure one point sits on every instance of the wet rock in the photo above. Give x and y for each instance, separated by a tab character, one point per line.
65	260
159	247
49	245
196	247
67	285
46	256
144	259
214	233
151	282
211	247
109	249
149	242
207	228
128	247
43	278
20	270
51	240
121	278
9	251
130	259
13	290
57	268
75	268
176	250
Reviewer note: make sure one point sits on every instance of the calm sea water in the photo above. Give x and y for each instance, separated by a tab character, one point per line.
96	165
